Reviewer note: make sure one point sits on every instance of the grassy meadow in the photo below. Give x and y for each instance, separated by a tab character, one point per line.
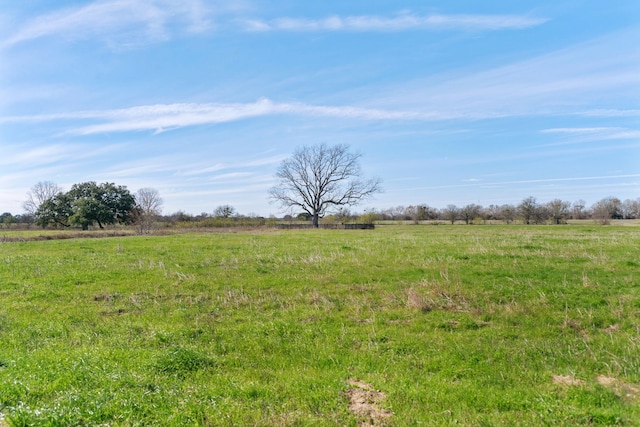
401	325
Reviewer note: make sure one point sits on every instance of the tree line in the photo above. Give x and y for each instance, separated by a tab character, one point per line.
316	182
71	209
528	211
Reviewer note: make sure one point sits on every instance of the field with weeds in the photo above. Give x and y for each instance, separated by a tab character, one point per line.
401	325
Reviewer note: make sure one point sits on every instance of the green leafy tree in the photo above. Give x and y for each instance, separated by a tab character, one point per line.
54	210
86	204
6	219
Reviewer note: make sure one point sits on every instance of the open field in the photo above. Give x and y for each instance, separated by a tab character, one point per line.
401	325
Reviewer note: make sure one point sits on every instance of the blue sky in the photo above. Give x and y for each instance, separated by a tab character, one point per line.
451	102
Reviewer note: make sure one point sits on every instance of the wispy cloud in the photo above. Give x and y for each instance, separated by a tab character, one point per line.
244	164
117	22
30	157
400	22
572	81
125	23
580	130
159	118
582	134
164	117
191	170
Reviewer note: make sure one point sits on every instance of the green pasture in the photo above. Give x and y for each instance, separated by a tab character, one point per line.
452	325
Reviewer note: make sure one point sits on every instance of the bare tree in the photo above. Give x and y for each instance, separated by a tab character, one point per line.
606	209
397	212
424	212
558	210
451	213
631	208
492	212
508	212
318	178
149	207
40	193
470	212
529	210
224	211
578	209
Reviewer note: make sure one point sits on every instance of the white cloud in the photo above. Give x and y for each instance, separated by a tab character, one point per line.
581	134
190	171
117	22
401	22
30	157
127	23
265	161
160	118
163	117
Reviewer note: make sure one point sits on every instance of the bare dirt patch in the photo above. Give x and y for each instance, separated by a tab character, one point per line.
622	389
363	402
566	380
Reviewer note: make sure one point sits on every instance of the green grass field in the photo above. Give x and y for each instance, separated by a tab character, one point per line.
401	325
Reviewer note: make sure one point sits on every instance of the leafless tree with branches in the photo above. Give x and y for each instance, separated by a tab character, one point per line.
318	178
149	206
40	193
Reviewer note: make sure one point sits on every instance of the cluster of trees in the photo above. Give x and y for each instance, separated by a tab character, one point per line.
529	211
87	204
7	219
222	216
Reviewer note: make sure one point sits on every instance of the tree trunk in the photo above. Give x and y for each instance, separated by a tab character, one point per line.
314	218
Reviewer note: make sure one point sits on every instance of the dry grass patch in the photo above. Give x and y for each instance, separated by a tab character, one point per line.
428	296
319	301
417	301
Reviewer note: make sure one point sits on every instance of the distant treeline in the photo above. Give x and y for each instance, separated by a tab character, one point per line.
529	211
